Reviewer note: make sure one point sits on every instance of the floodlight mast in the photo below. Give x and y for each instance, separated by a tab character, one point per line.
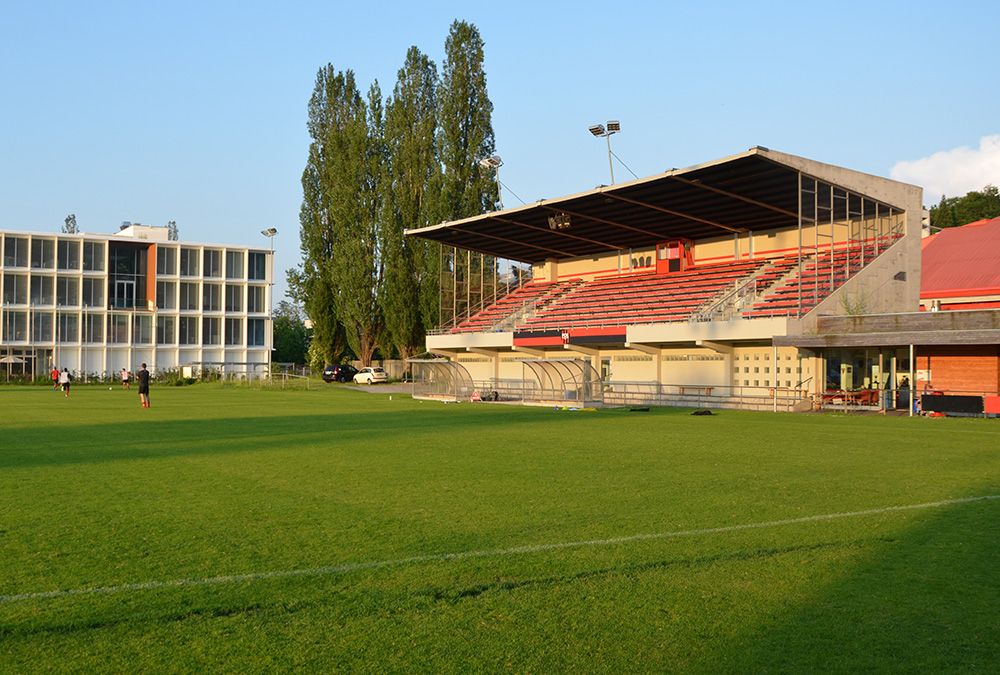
599	131
269	233
494	162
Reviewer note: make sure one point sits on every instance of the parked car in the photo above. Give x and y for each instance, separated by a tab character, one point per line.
371	376
339	373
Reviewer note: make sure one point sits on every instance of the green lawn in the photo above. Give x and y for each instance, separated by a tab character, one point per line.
351	500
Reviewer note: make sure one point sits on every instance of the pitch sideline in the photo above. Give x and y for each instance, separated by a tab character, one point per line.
462	555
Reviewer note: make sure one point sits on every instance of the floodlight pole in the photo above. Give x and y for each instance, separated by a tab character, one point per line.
611	166
269	233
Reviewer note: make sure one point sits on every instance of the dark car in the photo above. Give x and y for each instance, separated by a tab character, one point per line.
339	373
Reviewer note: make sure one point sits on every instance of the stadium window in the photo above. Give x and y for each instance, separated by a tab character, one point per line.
165	330
756	383
93	328
93	293
257	266
142	329
166	260
788	370
68	255
15	326
255	332
234	332
68	327
756	369
212	263
15	289
15	251
42	290
118	329
746	383
788	383
188	330
767	369
41	327
189	262
234	265
211	297
746	369
43	254
210	334
93	256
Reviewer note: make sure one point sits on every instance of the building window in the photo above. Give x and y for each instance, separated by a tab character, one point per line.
165	330
93	256
67	292
67	328
68	255
142	329
257	266
210	333
211	298
189	295
118	329
189	262
43	254
255	332
234	331
166	295
15	251
42	290
188	330
166	260
93	293
15	326
93	328
234	298
15	289
212	263
255	299
41	327
234	265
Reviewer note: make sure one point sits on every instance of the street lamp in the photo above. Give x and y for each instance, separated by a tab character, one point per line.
269	233
494	162
599	131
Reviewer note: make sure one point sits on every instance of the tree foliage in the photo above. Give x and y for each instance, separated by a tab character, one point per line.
412	174
975	205
291	338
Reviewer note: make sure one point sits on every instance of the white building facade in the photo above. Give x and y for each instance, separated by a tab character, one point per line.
97	303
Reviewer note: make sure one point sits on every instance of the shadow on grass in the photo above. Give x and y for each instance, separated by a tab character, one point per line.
927	601
95	443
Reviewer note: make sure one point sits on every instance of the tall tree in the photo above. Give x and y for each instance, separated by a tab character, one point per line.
412	173
465	136
358	159
331	107
291	338
975	205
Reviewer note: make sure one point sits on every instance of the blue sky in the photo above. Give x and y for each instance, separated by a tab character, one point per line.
195	112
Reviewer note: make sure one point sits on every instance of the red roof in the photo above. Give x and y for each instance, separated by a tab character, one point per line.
962	261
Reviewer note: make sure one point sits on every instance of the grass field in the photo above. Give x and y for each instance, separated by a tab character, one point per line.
246	530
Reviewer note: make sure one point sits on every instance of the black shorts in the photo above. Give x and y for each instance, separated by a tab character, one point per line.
65	386
144	389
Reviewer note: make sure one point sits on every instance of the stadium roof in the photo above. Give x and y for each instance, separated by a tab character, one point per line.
962	261
751	191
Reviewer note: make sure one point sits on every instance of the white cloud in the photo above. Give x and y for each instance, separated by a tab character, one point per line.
953	172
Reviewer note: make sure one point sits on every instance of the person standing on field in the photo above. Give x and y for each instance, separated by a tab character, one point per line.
55	378
126	376
143	376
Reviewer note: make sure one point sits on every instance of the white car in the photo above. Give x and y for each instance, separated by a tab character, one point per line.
371	376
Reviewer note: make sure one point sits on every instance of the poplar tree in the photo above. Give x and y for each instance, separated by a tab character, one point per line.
412	174
465	136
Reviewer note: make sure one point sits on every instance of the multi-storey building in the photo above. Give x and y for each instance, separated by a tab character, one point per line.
98	303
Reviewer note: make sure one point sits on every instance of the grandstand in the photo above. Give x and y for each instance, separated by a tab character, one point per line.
673	288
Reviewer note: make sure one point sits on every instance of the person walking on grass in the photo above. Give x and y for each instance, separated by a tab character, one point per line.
64	380
55	378
143	376
126	378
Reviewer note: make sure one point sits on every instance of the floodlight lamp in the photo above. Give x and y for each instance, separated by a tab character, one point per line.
614	126
269	232
492	162
559	221
597	130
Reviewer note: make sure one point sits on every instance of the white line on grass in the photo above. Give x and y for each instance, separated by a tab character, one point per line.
462	555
